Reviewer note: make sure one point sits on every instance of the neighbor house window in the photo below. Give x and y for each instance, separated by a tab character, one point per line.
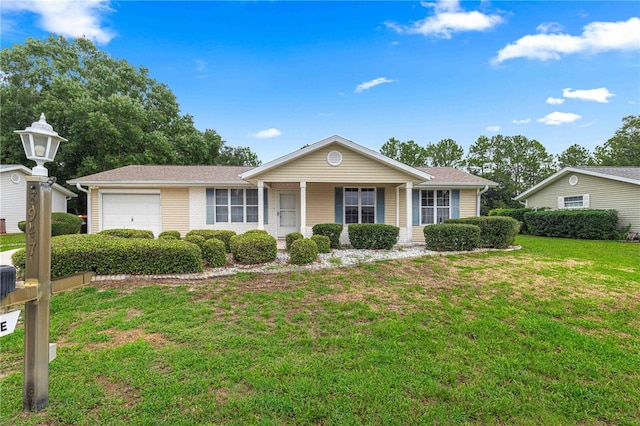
574	202
234	205
435	206
359	205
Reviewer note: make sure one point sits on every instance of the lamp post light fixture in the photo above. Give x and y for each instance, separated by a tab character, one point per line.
40	144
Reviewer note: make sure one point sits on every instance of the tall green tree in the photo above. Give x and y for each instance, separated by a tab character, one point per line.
446	153
515	162
409	153
112	113
623	149
575	155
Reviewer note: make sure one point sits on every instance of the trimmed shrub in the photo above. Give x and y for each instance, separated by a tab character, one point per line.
214	252
303	251
196	239
323	243
517	214
61	224
254	247
204	233
172	235
290	238
221	234
257	231
373	236
584	224
225	237
495	231
452	237
331	230
71	254
127	233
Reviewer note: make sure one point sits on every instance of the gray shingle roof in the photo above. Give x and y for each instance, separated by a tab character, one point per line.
168	175
624	172
453	176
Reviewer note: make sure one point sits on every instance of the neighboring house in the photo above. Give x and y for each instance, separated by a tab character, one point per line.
591	187
332	181
13	196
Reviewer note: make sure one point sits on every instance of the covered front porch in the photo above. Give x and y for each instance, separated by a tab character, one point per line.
298	206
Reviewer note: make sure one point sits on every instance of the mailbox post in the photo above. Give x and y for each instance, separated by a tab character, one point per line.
40	143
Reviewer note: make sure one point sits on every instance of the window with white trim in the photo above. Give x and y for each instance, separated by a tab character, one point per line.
575	202
233	205
359	205
435	206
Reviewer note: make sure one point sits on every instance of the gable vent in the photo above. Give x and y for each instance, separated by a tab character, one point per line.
334	158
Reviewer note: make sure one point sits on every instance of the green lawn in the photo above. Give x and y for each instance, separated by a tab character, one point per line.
549	334
12	241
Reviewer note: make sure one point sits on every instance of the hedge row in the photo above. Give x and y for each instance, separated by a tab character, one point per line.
105	255
452	237
128	233
61	224
495	231
584	224
517	214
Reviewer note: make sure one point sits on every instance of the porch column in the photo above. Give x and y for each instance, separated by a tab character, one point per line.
260	204
409	190
398	206
303	208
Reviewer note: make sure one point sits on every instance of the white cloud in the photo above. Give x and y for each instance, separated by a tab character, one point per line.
266	134
596	37
372	83
492	129
549	27
524	121
69	18
557	118
448	18
555	101
600	94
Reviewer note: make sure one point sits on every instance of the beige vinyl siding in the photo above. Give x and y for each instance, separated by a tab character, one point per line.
354	168
175	209
603	194
320	203
95	213
468	203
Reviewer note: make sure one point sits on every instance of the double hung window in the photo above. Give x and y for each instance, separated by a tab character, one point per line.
233	205
359	205
435	206
574	202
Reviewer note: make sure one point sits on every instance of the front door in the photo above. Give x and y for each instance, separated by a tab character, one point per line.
287	213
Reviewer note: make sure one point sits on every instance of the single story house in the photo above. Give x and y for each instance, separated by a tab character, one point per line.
13	196
332	181
591	187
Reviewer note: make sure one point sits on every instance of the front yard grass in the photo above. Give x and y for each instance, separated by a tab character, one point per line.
549	334
12	241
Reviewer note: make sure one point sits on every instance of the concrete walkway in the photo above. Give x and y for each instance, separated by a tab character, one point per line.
5	257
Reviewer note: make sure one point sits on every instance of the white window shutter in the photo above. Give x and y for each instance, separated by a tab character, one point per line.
585	201
561	202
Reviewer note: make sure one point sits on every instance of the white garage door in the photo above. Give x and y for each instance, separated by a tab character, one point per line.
134	211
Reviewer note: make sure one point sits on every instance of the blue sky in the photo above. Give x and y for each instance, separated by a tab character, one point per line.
277	75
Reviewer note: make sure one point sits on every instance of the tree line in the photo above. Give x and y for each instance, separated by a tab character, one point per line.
114	114
516	162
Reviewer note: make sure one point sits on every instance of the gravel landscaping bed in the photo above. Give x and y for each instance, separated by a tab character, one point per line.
335	259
